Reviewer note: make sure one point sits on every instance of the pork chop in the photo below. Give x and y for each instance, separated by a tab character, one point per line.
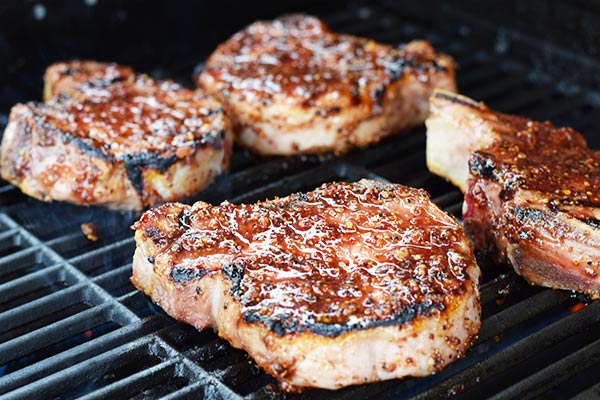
109	137
350	283
532	191
293	86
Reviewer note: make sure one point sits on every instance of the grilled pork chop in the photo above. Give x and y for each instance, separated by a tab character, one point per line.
350	283
532	193
293	86
106	136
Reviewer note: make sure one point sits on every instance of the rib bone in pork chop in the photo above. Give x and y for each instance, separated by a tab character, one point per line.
532	190
347	284
106	136
293	86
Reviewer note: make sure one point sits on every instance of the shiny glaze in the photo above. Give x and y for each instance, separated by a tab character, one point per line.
86	80
346	256
536	200
297	60
292	86
554	162
106	136
108	108
532	195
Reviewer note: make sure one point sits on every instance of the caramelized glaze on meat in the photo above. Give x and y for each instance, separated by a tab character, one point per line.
88	80
294	86
555	162
107	136
532	193
342	259
121	113
311	240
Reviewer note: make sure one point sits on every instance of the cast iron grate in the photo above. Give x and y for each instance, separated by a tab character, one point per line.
72	326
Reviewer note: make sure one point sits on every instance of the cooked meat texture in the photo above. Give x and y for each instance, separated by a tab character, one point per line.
89	80
532	194
293	86
449	144
106	136
348	284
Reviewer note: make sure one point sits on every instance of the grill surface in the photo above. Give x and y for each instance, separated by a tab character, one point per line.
71	324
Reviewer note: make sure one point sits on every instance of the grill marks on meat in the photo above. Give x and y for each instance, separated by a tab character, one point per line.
293	86
106	136
350	283
532	194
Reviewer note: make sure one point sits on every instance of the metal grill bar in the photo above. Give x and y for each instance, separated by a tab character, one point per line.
135	382
79	354
22	262
502	283
13	289
28	312
58	383
519	313
53	333
590	393
553	374
514	354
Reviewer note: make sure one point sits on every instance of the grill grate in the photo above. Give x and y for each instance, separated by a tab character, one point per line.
72	326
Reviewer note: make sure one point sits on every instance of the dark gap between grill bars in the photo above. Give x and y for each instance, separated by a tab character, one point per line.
48	329
23	263
508	358
97	345
116	282
34	286
106	259
11	242
105	369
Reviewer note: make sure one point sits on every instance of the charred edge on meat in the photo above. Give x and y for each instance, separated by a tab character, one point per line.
212	139
104	82
184	218
482	165
235	273
396	68
213	111
282	326
137	162
154	234
183	275
215	140
458	99
524	214
69	138
295	200
594	223
302	197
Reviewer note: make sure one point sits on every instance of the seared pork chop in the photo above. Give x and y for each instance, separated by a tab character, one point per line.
293	86
532	193
347	284
106	136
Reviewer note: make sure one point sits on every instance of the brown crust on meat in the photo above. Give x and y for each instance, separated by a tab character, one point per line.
117	113
533	194
295	65
555	162
351	283
411	264
442	98
85	80
104	122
